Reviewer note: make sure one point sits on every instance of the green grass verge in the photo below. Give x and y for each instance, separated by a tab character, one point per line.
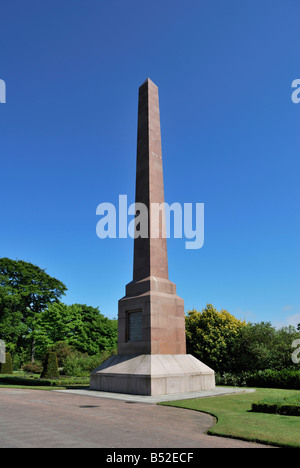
236	420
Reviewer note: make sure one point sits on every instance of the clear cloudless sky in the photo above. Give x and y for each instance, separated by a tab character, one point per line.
230	140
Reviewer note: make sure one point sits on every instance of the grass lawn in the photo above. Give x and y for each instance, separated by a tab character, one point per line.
235	418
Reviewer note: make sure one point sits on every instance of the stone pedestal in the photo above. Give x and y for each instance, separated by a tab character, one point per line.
152	374
162	321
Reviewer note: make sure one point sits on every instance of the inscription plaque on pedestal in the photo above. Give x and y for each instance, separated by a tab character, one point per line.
135	326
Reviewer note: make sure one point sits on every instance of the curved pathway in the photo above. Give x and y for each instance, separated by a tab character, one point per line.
42	419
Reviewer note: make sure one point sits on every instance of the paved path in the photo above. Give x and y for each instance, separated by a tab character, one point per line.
42	419
217	391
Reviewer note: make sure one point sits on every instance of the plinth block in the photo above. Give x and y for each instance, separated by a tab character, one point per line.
152	374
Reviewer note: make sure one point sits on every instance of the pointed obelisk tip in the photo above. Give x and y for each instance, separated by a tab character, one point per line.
148	80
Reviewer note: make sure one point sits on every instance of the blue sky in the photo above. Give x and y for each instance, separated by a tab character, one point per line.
230	140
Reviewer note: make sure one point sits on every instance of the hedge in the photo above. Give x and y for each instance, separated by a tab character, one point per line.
276	408
12	380
268	378
36	382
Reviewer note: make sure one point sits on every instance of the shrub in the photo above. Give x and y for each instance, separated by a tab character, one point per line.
36	382
33	367
14	380
6	367
62	351
269	378
283	407
81	366
50	369
233	380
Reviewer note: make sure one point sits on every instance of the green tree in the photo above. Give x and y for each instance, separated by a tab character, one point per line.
12	327
80	326
260	346
211	335
26	290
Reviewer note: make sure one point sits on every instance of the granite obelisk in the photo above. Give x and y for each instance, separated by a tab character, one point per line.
152	355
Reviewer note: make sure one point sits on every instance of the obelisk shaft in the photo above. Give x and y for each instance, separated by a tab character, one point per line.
151	317
150	254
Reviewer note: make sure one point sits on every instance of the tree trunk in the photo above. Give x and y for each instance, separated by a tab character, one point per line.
32	350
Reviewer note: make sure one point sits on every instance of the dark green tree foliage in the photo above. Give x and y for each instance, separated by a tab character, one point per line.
78	325
50	369
12	326
6	367
25	291
260	346
32	318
